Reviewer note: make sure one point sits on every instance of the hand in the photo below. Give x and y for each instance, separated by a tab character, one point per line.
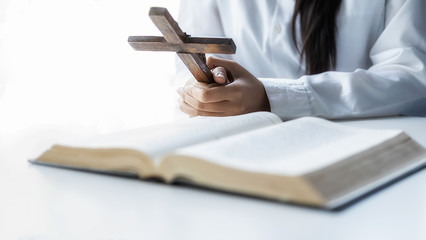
235	91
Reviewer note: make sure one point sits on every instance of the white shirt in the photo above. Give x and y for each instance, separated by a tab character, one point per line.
381	55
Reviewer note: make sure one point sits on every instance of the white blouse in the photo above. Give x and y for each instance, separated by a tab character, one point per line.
381	55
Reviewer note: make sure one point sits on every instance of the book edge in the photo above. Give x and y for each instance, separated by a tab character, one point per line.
81	169
359	192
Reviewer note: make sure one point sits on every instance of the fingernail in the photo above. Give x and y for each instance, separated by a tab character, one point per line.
219	74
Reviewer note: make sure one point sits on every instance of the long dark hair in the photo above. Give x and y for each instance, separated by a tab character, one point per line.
318	32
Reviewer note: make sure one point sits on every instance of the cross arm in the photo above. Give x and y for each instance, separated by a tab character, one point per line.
190	50
167	25
190	45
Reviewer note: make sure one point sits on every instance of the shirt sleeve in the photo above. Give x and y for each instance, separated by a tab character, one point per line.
393	85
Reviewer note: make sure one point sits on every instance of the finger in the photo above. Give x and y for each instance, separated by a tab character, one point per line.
214	62
219	75
212	114
208	94
192	112
180	91
223	106
210	107
226	107
184	107
194	103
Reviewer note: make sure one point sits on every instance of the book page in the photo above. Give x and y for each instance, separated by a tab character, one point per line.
292	148
158	140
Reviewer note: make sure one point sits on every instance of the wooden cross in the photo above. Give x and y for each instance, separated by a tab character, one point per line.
191	50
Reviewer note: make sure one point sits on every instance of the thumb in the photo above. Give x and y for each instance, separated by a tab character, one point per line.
214	62
220	76
231	68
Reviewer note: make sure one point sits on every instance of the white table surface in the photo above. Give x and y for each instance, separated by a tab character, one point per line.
42	203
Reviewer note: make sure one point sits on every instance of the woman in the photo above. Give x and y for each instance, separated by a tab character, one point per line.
327	58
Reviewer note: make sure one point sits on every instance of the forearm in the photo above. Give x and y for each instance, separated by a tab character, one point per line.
336	95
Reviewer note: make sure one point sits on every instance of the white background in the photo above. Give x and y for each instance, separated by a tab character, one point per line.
66	71
66	66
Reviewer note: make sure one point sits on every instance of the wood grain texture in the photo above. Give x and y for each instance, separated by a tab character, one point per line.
197	66
190	50
167	25
191	45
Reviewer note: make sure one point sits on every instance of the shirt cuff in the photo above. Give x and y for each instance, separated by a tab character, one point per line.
288	98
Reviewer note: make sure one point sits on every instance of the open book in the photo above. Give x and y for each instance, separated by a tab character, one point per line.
307	161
